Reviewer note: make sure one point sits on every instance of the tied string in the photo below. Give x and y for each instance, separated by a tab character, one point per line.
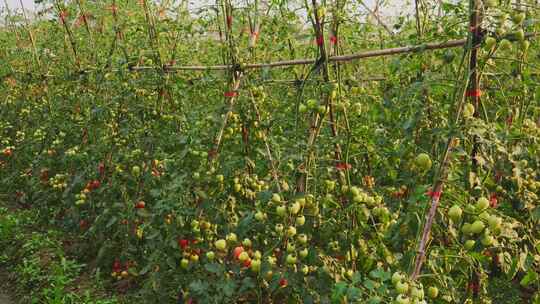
255	34
113	9
320	40
229	21
473	93
436	195
343	166
63	15
230	94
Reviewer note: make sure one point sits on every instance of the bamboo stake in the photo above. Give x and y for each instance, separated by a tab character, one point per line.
341	58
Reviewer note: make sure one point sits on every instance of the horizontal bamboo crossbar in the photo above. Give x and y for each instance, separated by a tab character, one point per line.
288	63
342	58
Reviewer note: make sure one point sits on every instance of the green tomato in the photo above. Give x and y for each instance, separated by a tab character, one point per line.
520	35
482	203
291	259
423	161
518	18
243	256
401	299
417	293
291	231
220	244
455	213
505	44
136	171
477	227
487	240
276	198
184	263
312	104
294	208
402	287
396	277
433	292
466	228
468	110
490	42
246	243
259	216
302	238
469	244
525	45
281	210
256	265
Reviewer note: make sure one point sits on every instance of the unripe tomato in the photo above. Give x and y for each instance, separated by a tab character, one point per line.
255	265
468	110
184	263
304	253
291	231
401	299
243	256
300	221
455	213
477	227
423	161
402	287
469	244
482	203
291	259
281	210
433	292
220	244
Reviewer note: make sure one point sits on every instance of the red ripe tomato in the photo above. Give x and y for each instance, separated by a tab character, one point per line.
493	200
117	266
101	169
247	263
8	152
183	243
95	184
140	205
283	282
237	251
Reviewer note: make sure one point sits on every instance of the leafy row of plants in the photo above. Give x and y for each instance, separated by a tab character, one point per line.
308	183
38	268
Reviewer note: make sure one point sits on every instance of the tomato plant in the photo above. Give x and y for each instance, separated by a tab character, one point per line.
197	157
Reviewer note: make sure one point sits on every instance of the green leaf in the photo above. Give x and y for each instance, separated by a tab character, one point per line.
171	262
353	293
198	287
529	278
380	274
247	284
111	222
228	288
535	214
369	284
214	268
